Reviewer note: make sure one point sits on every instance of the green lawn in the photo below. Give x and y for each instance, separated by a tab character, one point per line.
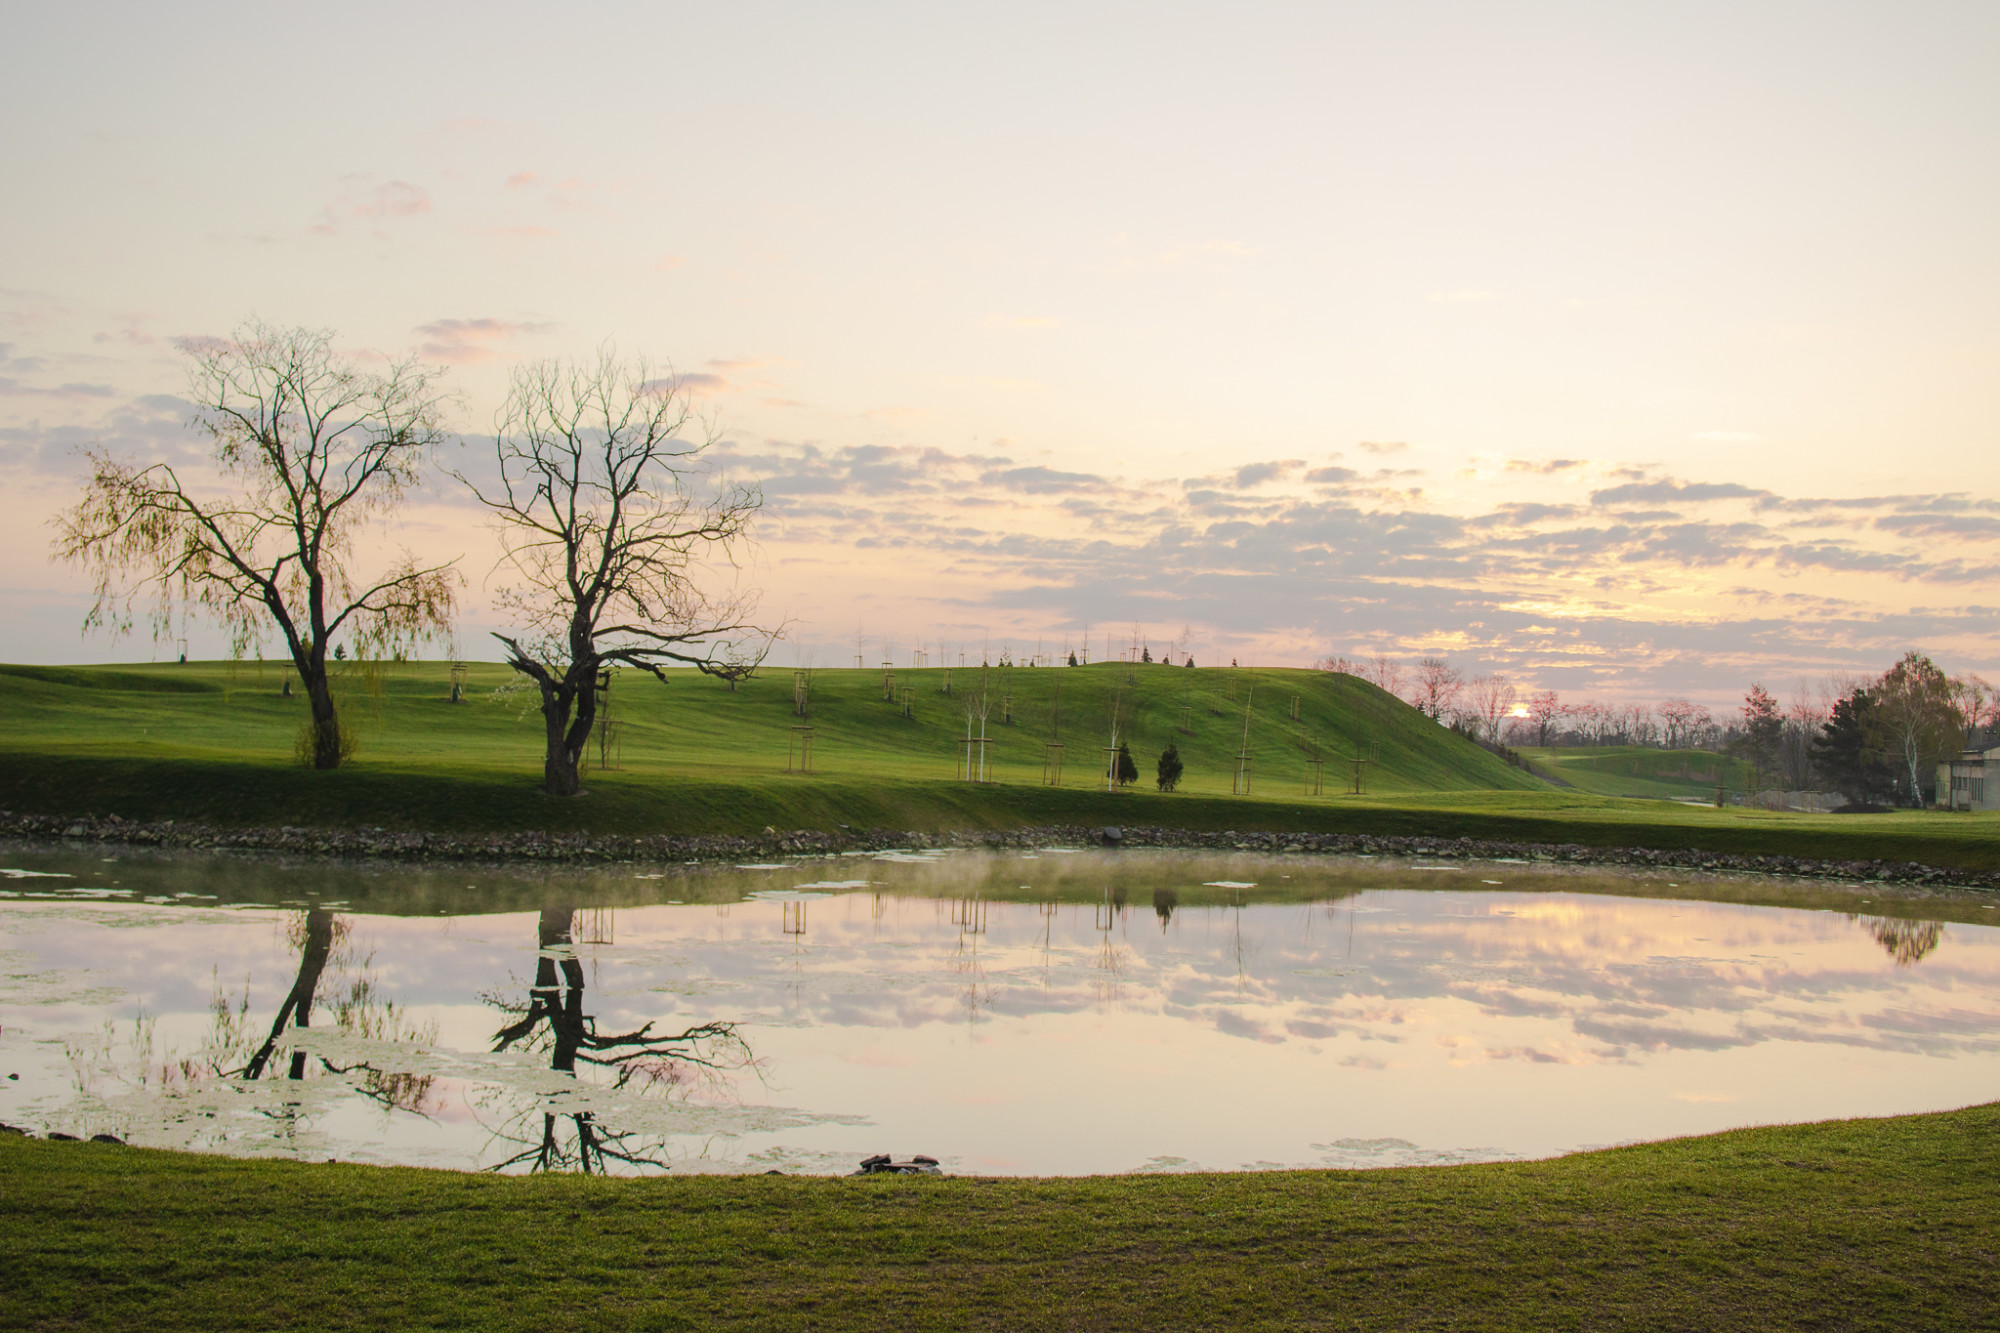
1634	770
212	743
1871	1224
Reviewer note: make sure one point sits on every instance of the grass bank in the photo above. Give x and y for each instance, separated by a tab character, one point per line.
212	743
1871	1224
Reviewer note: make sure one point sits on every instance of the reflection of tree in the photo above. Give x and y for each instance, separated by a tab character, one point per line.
553	1020
321	939
314	936
1164	903
1907	942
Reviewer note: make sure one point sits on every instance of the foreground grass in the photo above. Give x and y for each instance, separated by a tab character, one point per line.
1873	1224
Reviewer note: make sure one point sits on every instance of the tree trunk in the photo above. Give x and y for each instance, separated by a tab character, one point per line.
569	711
325	722
559	767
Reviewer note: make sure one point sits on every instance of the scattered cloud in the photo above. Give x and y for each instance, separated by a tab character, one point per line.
466	340
1669	490
1384	446
1257	474
1547	467
377	204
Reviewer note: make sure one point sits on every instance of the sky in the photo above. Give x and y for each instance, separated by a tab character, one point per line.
1630	351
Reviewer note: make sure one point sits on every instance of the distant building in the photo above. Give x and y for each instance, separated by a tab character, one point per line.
1962	782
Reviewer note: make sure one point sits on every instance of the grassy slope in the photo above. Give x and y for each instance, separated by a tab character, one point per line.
1883	1224
212	742
1632	770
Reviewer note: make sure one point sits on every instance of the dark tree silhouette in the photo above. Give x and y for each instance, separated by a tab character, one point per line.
1169	767
614	533
1128	771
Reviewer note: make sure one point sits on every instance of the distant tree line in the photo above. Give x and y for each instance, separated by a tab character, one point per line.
1875	740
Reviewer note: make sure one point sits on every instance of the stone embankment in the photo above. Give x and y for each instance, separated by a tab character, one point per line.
586	848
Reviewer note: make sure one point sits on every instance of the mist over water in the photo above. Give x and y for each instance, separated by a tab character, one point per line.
1049	1013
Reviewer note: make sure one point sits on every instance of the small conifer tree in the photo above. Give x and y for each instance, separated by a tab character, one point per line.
1072	659
1128	771
1170	767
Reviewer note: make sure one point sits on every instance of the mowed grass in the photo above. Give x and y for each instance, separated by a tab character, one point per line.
213	743
1870	1224
1634	770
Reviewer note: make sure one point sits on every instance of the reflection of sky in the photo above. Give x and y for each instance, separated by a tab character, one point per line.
1396	1025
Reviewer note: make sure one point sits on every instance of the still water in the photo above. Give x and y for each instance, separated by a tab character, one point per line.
1059	1012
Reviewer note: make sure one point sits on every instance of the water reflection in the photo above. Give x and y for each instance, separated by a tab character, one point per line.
1908	942
553	1022
1337	1014
362	1012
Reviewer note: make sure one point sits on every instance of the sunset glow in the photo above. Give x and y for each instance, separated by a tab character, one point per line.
1630	352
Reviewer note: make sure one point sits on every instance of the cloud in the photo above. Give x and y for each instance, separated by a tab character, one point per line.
1384	446
522	178
467	340
1041	480
1332	476
1667	489
1256	474
391	199
1548	467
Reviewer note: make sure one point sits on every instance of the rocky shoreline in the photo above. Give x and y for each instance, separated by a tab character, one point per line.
588	848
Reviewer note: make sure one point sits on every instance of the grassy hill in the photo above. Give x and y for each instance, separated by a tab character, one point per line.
212	742
695	731
1635	770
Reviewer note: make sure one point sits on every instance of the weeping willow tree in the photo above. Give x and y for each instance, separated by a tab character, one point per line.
307	453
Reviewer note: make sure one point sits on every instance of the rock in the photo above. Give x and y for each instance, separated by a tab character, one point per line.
1111	837
883	1165
107	1138
61	1137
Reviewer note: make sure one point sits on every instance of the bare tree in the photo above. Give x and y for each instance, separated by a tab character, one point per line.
1490	699
1682	718
1972	700
308	453
1544	708
613	530
1385	672
1437	688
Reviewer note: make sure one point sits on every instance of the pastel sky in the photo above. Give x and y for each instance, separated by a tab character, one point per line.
1633	350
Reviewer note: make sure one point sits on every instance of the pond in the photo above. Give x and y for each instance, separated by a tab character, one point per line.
1054	1012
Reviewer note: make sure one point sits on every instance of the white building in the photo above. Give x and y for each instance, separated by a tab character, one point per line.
1962	783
